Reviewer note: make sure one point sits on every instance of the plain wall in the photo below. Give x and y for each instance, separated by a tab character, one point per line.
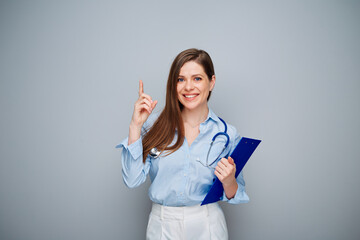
287	73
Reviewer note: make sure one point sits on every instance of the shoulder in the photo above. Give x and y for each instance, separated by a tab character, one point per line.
233	133
231	130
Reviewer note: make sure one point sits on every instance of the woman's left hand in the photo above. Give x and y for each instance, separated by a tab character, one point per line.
225	171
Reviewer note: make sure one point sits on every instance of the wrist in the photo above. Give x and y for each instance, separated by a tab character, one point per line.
135	127
230	183
231	189
134	133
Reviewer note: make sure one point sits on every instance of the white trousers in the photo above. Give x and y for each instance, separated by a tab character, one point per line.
195	222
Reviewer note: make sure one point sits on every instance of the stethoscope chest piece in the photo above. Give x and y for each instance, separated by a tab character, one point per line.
154	153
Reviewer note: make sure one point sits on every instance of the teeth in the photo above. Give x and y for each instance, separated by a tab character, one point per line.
190	96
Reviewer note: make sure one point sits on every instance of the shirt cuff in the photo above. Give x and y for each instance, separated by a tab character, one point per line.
135	149
240	196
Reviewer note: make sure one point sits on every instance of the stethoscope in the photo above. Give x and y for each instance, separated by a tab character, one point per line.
156	153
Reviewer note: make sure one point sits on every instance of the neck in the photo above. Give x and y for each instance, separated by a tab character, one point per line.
195	117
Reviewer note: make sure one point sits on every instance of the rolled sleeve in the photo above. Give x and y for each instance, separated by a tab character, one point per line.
135	149
133	169
240	195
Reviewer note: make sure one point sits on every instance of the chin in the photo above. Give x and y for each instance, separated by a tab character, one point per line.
191	107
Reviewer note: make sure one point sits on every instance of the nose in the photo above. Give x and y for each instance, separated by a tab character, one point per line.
189	85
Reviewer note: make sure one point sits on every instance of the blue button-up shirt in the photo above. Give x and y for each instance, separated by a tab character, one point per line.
182	178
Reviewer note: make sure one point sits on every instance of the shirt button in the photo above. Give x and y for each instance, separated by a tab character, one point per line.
185	174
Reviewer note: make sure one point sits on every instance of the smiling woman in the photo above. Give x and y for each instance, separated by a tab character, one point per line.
194	86
173	149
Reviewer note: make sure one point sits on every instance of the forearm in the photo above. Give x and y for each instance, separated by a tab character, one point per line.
230	189
133	169
240	195
134	133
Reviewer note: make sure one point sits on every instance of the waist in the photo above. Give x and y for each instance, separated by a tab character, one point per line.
182	213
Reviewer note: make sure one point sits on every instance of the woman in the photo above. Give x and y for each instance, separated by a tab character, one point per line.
174	149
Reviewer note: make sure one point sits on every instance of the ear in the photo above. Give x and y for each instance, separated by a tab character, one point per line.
212	82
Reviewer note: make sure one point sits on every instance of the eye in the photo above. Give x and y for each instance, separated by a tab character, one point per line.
180	79
197	78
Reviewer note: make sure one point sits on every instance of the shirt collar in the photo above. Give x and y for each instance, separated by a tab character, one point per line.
212	116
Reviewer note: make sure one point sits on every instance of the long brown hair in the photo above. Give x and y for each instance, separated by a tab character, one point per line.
162	133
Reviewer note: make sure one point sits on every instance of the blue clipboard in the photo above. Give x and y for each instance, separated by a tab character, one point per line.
241	154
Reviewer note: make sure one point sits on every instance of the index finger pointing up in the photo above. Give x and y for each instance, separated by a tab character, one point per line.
141	88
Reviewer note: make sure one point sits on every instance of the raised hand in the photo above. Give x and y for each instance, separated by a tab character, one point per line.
142	109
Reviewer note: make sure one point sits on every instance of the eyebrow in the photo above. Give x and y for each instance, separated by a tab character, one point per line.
198	74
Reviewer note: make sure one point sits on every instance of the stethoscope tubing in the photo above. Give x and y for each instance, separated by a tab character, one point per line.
224	133
156	153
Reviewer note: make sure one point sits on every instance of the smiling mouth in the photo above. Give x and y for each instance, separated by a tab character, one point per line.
190	96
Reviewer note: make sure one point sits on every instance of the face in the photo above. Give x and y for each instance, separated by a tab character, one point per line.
193	86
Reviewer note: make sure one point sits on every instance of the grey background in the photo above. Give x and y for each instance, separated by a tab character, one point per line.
287	73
